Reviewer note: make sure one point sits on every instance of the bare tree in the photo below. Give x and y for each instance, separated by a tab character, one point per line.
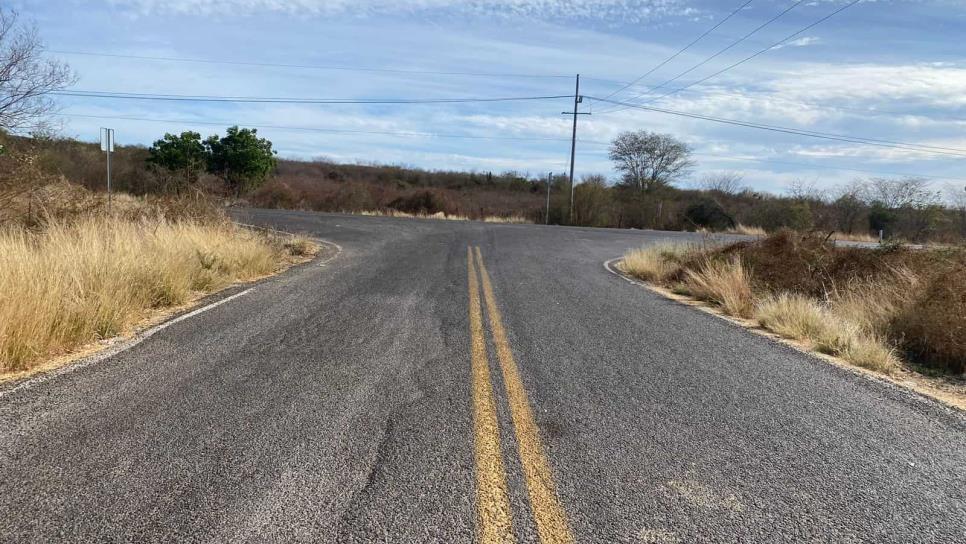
804	189
26	77
956	198
728	183
849	204
649	160
895	193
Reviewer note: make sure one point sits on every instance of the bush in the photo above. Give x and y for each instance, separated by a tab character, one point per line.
709	214
932	329
419	203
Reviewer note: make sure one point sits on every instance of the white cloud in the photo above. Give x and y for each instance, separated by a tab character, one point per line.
628	11
801	42
925	84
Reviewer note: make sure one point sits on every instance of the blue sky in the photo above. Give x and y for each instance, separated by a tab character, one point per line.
886	69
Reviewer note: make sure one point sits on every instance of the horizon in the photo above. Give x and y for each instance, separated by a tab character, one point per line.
879	70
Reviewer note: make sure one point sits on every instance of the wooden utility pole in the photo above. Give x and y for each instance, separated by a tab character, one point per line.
573	144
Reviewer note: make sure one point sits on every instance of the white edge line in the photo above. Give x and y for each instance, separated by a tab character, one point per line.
332	258
609	268
123	346
320	240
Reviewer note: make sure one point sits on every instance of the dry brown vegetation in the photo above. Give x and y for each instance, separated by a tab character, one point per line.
73	272
442	216
876	308
401	192
849	213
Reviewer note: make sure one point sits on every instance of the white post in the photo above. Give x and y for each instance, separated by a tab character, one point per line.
107	145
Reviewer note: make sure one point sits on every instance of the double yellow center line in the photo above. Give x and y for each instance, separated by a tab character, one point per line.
494	515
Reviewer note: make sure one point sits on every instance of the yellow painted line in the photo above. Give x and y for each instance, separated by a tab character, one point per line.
549	514
494	517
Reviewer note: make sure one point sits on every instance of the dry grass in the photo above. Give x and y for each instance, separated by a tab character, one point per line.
724	282
873	304
442	216
854	237
655	262
513	219
852	320
801	318
748	230
72	283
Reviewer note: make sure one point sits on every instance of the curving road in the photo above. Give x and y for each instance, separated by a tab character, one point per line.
413	389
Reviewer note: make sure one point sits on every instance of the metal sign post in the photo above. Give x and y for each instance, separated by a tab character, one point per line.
107	145
549	182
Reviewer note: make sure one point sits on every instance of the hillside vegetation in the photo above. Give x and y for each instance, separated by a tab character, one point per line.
905	209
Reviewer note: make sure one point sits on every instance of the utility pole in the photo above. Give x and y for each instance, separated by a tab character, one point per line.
549	182
573	143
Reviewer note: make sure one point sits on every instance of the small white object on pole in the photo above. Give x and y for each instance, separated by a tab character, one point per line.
107	145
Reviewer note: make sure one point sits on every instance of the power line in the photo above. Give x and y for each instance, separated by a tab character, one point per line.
332	67
865	111
474	137
804	164
823	167
788	130
309	66
276	100
314	129
767	49
722	50
750	57
683	49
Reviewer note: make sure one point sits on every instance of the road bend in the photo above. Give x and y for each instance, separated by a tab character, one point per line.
453	382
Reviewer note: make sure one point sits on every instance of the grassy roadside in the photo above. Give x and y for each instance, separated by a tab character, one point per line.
70	281
893	310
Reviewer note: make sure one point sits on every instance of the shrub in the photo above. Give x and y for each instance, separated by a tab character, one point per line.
419	203
932	328
709	214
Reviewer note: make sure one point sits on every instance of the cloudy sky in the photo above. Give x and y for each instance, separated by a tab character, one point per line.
883	69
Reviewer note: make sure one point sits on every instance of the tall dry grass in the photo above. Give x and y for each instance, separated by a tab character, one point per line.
748	230
854	237
853	321
802	318
72	283
726	283
654	262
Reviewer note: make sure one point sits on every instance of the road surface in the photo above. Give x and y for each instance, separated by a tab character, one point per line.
416	389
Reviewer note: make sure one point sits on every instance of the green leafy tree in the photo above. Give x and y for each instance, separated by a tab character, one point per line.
240	158
881	217
708	213
185	155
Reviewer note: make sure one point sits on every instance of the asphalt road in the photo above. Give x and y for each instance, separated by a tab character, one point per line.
410	391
